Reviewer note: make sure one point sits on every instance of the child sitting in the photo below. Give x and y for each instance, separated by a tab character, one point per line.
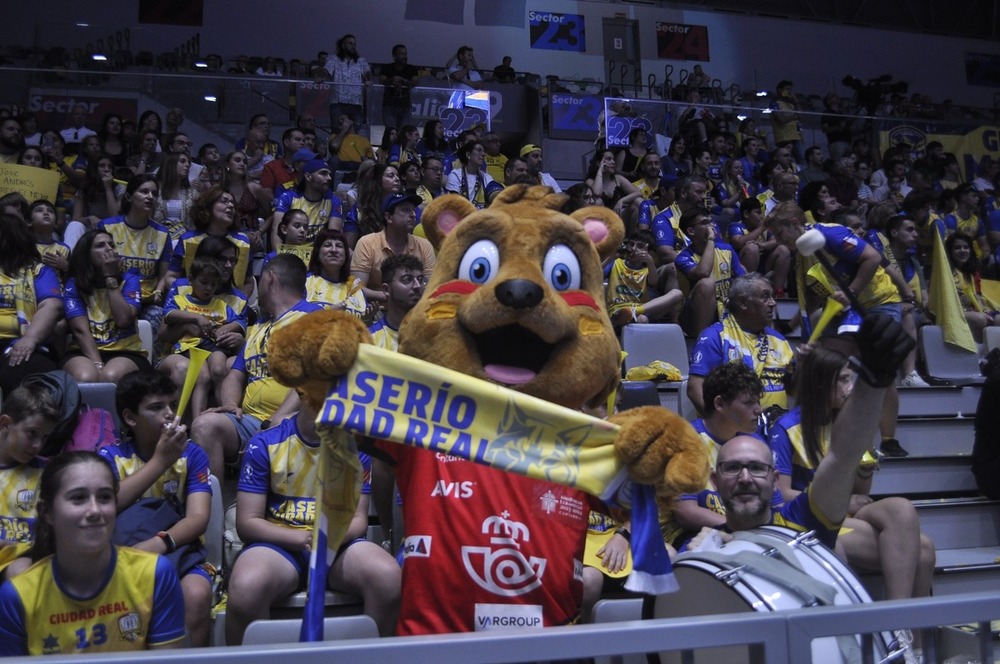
294	233
42	220
629	280
204	316
28	417
159	461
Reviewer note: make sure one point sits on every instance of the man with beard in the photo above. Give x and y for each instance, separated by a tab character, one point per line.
11	141
744	472
403	283
350	73
397	77
532	156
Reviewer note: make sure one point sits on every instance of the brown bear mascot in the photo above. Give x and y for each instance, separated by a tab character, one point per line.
516	299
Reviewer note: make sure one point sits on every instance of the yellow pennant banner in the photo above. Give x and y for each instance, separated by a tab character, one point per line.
395	397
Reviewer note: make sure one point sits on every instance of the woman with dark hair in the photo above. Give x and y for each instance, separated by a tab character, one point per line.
614	188
329	281
143	245
112	143
471	180
151	121
389	139
629	160
883	535
252	200
405	147
433	141
676	163
374	184
173	208
102	308
100	196
122	599
30	305
980	311
213	214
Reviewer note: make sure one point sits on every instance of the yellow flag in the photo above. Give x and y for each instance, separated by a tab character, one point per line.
398	398
944	302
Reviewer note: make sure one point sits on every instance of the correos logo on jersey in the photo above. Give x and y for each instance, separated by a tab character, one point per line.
501	568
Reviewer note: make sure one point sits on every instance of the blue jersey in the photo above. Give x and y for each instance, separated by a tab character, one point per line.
767	353
96	307
188	475
282	465
143	249
318	212
666	229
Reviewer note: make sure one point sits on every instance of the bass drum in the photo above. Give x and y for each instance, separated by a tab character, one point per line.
797	572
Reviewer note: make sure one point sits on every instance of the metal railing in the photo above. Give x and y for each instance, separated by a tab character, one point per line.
782	637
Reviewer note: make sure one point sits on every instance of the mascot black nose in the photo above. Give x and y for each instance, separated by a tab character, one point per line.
519	293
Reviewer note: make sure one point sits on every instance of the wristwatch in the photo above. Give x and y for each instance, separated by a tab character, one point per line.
168	539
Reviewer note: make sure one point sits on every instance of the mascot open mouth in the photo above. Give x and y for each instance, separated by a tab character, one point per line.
512	355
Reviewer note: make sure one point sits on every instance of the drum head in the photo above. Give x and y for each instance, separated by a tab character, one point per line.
703	593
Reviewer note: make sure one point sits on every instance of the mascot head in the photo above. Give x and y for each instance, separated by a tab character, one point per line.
517	295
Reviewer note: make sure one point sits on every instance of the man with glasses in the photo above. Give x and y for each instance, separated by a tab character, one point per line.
431	178
372	250
744	474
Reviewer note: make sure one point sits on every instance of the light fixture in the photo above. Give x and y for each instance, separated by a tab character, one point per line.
762	93
98	57
741	118
201	64
211	98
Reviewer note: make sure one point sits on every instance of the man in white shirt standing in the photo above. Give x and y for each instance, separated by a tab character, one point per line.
350	74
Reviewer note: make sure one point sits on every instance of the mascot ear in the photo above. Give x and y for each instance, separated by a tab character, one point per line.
604	227
442	215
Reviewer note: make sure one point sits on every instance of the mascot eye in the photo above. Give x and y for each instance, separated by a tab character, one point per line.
561	268
480	263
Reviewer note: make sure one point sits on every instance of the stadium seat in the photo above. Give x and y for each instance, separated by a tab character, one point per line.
102	395
146	335
216	521
287	631
635	393
991	338
945	362
645	342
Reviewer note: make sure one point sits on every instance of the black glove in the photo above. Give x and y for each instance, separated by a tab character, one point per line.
883	344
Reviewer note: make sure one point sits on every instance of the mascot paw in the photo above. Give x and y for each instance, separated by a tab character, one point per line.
661	447
308	353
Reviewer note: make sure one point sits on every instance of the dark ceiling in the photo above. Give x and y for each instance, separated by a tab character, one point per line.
978	19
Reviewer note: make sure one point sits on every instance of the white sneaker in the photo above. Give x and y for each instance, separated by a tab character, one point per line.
913	379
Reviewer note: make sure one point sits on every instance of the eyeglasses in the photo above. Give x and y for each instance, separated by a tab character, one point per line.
734	468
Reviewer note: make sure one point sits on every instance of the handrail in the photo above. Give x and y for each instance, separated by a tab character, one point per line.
783	636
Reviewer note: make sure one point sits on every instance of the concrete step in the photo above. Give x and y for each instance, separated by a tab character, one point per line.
938	401
925	477
936	436
960	524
